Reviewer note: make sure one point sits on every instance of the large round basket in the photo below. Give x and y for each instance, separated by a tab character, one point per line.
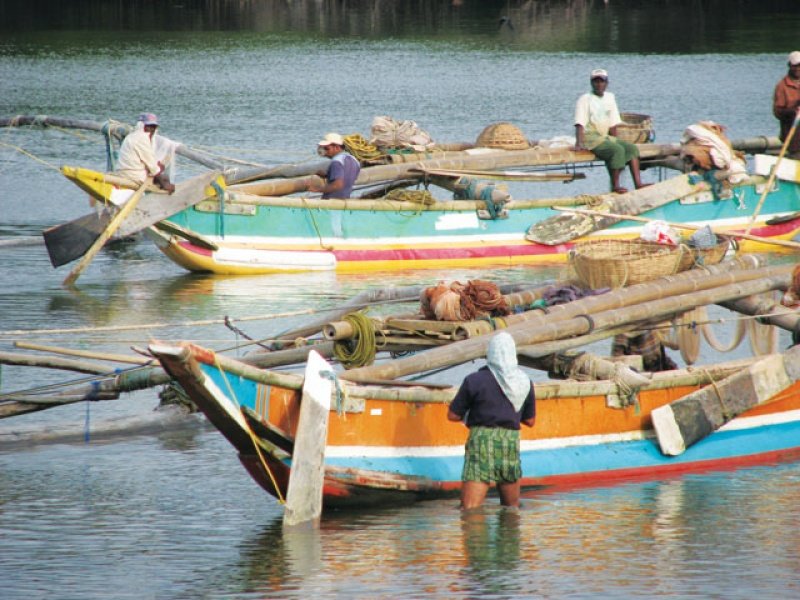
506	136
636	128
617	263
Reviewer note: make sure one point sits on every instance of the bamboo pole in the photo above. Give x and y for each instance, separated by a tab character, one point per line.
769	313
746	236
106	235
492	159
745	268
123	358
115	129
420	393
49	362
581	324
382	204
774	172
485	160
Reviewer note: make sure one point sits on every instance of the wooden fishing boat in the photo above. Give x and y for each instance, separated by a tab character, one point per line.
392	443
252	234
388	440
240	232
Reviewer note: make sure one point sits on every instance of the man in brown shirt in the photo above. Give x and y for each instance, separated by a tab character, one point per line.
786	103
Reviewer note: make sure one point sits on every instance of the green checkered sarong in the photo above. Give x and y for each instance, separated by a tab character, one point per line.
492	454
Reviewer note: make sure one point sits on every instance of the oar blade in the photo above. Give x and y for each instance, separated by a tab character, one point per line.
69	241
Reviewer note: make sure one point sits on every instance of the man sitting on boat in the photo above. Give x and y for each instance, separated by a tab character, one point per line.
786	103
494	400
596	120
137	155
342	172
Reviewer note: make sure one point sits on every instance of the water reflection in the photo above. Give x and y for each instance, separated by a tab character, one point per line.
491	546
658	26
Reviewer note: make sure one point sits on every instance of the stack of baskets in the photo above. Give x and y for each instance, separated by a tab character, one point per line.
636	128
505	136
617	263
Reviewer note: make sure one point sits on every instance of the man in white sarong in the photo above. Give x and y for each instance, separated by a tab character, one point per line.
138	159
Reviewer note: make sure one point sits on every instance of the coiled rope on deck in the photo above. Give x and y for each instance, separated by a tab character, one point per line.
360	148
359	350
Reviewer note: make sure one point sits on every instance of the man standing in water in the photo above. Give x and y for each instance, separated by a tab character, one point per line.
342	172
596	120
137	158
495	400
786	103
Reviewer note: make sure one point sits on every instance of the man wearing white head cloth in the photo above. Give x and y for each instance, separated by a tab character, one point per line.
493	402
138	157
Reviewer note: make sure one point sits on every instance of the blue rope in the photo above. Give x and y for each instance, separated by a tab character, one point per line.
221	199
327	374
470	192
111	154
713	182
486	196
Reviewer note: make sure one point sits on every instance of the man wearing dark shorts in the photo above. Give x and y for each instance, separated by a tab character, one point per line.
495	400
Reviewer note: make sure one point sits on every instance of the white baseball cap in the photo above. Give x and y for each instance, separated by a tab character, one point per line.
794	58
331	138
599	74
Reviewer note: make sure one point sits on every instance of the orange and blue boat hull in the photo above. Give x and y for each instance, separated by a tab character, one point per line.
390	451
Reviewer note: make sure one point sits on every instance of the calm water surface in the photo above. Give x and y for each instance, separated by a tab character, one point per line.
159	507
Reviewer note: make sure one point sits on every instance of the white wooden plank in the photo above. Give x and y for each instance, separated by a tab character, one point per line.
304	494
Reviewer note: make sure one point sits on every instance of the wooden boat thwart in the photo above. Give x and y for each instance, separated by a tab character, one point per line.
393	443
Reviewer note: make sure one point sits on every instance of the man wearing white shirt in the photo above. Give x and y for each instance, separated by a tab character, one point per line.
137	159
596	120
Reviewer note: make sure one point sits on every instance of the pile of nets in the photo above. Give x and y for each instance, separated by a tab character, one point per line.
458	302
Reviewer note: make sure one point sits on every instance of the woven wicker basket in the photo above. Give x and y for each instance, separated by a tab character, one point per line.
706	256
502	135
617	263
636	128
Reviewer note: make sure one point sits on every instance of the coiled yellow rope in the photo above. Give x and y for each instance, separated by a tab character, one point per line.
360	350
360	148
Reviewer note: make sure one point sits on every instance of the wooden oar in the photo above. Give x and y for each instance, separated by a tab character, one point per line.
109	231
774	173
563	228
755	238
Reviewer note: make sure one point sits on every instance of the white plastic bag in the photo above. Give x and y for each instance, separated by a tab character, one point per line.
659	231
